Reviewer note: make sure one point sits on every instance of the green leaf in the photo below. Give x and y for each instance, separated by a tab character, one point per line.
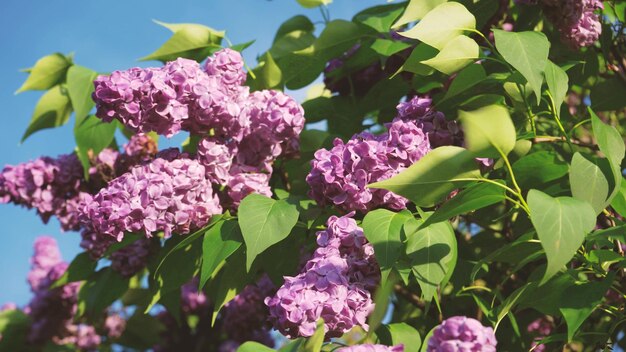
381	302
442	24
219	243
611	145
309	4
301	68
14	328
52	110
426	338
588	183
472	198
557	81
489	131
466	79
100	291
337	37
580	300
383	229
79	87
314	343
252	346
291	42
232	279
400	333
379	17
434	176
561	225
190	40
295	23
527	52
48	71
414	63
386	47
458	53
142	332
416	10
92	135
264	222
552	168
608	95
433	254
293	346
79	269
509	303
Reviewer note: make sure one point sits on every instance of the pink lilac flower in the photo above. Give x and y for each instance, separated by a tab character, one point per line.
372	348
462	334
217	158
242	184
228	65
193	301
540	328
339	176
331	286
169	196
576	20
131	259
114	326
87	339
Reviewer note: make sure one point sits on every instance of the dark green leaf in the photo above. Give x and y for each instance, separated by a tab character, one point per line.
612	146
231	280
557	81
295	23
100	291
466	79
219	242
608	95
619	202
92	135
552	168
314	343
79	269
588	183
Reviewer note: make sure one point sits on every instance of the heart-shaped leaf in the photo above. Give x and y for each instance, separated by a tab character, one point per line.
442	24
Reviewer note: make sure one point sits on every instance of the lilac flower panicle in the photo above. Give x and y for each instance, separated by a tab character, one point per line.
462	334
193	301
131	259
334	285
217	159
576	20
46	257
540	328
339	176
168	196
245	316
372	348
114	326
439	130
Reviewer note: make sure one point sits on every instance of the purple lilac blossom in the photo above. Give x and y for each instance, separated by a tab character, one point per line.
462	334
339	176
335	285
193	301
228	65
372	348
169	196
576	20
131	259
245	316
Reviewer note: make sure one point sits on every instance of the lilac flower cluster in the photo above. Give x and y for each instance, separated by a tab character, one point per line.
245	317
49	185
372	348
334	285
462	334
168	196
131	259
540	328
52	310
575	20
114	326
339	176
193	301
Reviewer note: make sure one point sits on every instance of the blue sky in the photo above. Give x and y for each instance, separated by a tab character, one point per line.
105	36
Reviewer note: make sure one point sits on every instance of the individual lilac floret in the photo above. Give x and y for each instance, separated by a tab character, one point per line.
334	285
245	316
228	65
114	326
540	328
462	334
193	301
372	348
339	176
46	184
131	259
169	196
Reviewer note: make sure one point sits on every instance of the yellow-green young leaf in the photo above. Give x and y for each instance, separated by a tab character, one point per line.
466	79
416	10
489	131
79	87
557	81
561	225
52	110
434	176
588	182
400	333
272	76
309	4
264	222
527	52
252	346
619	202
190	40
47	72
442	24
458	53
337	37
